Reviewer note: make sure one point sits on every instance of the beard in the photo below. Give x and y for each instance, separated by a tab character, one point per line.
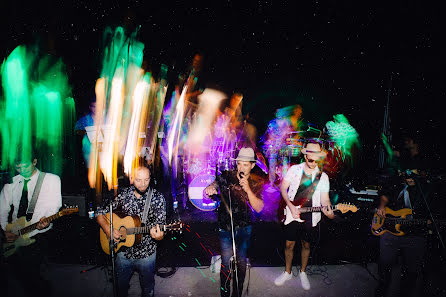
141	192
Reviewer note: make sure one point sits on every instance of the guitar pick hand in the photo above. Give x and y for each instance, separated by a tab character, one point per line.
11	237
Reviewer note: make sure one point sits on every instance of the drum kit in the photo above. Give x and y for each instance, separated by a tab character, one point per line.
200	171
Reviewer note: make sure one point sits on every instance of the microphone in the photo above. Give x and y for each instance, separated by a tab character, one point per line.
241	174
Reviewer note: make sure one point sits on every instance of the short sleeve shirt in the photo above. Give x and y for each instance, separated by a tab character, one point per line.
294	176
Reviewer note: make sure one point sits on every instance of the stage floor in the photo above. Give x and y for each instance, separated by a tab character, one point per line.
339	280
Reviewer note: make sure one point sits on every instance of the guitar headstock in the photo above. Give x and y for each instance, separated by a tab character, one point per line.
175	226
68	210
346	207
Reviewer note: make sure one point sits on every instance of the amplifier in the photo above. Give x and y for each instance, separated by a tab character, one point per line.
78	201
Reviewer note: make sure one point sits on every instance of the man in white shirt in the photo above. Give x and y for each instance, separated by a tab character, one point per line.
15	198
304	185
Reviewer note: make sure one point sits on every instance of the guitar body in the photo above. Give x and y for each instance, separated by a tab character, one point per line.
285	216
23	240
289	217
381	226
122	223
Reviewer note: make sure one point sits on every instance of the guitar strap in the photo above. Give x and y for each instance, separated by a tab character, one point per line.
145	214
309	191
37	188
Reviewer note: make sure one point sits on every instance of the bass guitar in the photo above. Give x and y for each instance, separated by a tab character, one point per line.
287	217
131	231
396	221
22	227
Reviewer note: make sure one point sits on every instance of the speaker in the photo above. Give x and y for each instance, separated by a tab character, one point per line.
79	201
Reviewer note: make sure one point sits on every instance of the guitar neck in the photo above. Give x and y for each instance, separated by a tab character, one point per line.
412	221
32	227
317	208
145	229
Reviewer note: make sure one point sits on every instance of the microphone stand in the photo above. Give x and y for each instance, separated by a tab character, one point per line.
437	231
111	246
234	257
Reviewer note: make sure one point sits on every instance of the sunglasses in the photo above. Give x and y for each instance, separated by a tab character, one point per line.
313	161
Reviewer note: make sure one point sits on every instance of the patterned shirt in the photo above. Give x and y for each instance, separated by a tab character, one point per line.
129	204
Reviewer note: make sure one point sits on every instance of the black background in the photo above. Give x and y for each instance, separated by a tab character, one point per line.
330	56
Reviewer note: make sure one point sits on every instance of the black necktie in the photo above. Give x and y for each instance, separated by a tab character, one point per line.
23	207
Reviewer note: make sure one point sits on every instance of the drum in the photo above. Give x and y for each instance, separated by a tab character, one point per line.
197	196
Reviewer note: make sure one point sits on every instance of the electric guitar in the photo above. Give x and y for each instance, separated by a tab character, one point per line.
22	227
287	216
395	221
131	231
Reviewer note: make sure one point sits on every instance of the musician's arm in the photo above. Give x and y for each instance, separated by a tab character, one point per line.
325	201
5	206
103	221
290	175
324	188
255	200
159	210
284	192
383	201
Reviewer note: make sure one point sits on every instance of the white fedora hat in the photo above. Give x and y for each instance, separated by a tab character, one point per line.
311	149
246	154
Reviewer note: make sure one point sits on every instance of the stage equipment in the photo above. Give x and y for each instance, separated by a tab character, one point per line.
197	196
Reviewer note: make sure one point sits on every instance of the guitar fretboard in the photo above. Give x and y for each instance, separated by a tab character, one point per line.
32	227
145	229
317	208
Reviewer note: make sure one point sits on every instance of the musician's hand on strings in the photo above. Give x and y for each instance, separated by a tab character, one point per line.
11	237
210	190
294	210
156	233
43	223
328	212
116	235
381	212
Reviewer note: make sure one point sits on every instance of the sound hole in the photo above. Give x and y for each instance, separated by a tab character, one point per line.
123	232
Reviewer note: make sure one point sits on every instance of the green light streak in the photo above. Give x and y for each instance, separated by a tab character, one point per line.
36	109
343	134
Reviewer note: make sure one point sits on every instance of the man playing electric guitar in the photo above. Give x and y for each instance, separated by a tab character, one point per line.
304	185
16	201
136	200
397	195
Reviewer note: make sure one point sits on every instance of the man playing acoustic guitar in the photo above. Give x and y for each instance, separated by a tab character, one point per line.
306	186
141	257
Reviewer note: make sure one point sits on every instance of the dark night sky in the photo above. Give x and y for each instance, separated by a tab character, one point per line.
330	56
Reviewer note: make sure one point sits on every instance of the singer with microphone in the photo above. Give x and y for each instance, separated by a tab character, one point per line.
240	195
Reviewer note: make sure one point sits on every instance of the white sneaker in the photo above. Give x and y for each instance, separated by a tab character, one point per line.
304	280
281	279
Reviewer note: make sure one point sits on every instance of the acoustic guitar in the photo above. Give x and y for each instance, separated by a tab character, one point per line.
22	227
395	222
131	231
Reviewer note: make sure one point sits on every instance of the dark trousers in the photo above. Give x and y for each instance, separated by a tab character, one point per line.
146	270
412	248
242	240
24	266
